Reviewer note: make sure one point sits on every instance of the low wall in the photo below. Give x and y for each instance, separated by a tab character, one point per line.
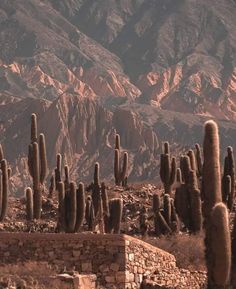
119	261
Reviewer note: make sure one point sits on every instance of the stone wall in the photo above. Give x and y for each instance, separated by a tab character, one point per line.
118	261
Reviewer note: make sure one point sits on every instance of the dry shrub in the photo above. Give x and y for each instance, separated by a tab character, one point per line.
187	249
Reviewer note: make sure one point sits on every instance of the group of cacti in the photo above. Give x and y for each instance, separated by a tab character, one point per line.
74	208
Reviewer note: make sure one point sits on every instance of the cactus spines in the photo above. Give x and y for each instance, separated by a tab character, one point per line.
167	172
61	207
80	207
29	204
218	248
71	208
211	176
167	209
34	128
199	161
195	203
5	189
116	208
43	158
105	203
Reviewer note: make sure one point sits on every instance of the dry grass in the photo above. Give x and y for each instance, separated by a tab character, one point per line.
187	249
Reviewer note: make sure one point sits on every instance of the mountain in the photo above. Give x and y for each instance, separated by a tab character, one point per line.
149	70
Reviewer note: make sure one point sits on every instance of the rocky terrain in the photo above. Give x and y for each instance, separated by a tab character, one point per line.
149	70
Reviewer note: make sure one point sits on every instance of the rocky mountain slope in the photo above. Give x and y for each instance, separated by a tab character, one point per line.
149	70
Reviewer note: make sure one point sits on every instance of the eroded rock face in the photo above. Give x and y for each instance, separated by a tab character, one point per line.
149	70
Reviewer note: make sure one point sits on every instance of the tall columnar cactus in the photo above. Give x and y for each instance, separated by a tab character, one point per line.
58	168
34	128
211	176
106	211
185	166
167	169
61	207
71	208
37	196
196	219
80	207
199	161
1	153
229	170
43	158
29	204
175	224
5	189
192	159
120	173
218	248
88	209
96	191
179	178
67	178
116	209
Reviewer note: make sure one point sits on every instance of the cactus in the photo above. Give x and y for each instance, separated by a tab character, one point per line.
156	205
218	248
116	208
80	207
34	128
120	174
179	178
105	203
195	203
199	161
67	178
5	189
71	208
211	176
43	158
166	147
96	191
185	166
29	204
167	170
229	171
37	196
175	224
167	209
192	159
1	153
61	207
9	173
58	170
181	202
